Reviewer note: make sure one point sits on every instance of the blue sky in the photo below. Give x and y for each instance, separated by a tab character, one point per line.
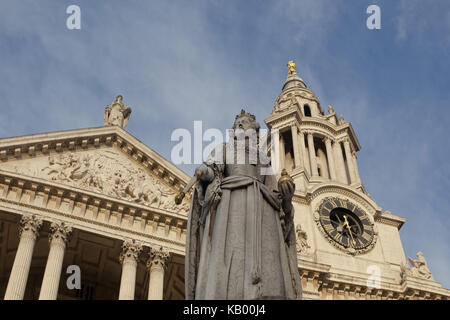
179	61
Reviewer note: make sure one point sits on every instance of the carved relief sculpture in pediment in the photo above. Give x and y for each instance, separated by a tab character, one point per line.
104	171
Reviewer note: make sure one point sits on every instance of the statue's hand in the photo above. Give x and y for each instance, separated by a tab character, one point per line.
286	185
204	173
201	171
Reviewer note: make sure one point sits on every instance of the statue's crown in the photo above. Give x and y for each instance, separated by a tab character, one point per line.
245	114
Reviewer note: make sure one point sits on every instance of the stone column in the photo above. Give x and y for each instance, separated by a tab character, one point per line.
312	155
340	166
348	156
129	260
297	159
330	157
59	237
28	233
156	265
282	153
275	150
355	166
301	137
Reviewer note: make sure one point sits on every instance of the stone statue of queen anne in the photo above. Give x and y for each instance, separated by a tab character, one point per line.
240	236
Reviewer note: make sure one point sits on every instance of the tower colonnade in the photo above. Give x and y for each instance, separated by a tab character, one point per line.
340	157
320	145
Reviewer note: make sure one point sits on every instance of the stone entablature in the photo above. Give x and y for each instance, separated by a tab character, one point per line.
92	212
320	282
389	219
318	125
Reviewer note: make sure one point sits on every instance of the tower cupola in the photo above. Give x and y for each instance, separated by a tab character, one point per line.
295	93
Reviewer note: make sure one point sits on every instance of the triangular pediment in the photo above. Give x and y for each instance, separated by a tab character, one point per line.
106	160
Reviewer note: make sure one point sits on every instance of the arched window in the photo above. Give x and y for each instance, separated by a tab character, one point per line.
307	110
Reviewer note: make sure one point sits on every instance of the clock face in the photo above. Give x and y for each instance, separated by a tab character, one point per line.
346	224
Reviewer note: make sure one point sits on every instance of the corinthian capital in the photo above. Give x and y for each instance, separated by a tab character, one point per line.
60	230
30	223
326	139
158	257
130	249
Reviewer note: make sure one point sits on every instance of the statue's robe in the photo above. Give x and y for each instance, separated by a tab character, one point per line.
235	246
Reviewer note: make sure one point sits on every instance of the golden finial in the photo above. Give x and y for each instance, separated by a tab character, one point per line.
291	67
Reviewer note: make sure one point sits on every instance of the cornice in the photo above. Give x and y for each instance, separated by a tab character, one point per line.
86	206
354	286
330	130
314	124
285	116
389	219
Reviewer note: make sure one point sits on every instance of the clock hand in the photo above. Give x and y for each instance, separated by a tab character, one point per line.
349	230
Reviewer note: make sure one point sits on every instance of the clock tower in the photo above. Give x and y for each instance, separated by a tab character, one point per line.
348	247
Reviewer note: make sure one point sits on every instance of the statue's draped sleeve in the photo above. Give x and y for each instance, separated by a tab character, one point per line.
203	197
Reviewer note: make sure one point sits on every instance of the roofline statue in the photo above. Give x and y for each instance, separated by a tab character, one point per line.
117	114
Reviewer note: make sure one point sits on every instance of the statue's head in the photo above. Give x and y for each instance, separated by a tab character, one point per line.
245	121
119	99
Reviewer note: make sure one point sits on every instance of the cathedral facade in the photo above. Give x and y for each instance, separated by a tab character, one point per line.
98	203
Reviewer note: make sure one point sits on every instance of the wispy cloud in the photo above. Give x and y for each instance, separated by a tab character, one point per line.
421	20
176	62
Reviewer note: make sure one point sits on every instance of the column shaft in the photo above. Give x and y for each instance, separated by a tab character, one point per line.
312	155
355	165
156	266
128	279
341	174
348	156
52	274
275	151
129	259
22	262
155	290
282	153
330	157
297	158
301	137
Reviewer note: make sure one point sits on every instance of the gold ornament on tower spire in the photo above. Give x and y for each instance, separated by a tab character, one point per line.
291	67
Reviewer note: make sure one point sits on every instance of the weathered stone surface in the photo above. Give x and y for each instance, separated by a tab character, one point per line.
105	171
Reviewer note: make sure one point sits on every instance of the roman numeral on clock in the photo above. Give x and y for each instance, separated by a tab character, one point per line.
366	236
